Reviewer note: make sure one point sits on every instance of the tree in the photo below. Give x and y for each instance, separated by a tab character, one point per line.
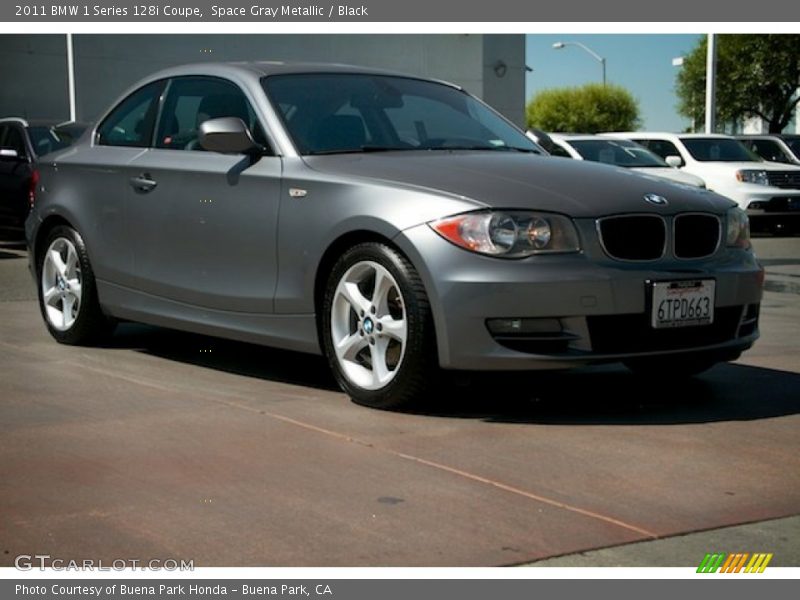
591	108
757	76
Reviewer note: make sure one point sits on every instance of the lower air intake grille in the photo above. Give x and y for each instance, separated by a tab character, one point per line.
621	334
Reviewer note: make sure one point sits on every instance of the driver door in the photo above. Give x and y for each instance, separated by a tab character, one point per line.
203	222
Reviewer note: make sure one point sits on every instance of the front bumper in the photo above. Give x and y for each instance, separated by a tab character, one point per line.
599	303
761	200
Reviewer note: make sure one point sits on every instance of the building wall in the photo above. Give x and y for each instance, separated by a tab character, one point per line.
33	76
33	67
504	75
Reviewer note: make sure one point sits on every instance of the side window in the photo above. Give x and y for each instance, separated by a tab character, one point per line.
663	148
192	100
15	140
768	150
557	150
131	122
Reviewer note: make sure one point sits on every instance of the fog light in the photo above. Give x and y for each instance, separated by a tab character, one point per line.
519	326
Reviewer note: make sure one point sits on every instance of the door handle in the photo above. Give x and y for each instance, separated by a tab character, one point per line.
143	183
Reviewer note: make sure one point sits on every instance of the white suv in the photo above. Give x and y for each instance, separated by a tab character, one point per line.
728	168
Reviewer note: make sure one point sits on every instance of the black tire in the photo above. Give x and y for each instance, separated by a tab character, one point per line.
417	370
673	367
90	325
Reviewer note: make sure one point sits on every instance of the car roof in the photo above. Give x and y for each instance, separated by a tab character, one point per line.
766	136
581	137
666	134
572	136
267	68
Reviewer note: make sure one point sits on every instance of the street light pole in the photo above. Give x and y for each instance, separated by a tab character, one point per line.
592	53
678	62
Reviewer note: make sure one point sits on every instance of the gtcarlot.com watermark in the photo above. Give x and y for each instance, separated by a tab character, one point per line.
28	562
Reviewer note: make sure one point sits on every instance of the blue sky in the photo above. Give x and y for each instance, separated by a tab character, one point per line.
640	63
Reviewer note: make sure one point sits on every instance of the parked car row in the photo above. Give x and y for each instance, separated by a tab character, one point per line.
395	224
22	144
760	173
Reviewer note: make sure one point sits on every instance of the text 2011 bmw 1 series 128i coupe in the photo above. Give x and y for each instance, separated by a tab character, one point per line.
395	224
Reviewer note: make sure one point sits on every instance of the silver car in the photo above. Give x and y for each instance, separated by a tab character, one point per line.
396	225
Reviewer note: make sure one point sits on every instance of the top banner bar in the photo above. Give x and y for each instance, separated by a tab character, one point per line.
194	11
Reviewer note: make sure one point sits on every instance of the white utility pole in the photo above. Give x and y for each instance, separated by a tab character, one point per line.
71	77
711	80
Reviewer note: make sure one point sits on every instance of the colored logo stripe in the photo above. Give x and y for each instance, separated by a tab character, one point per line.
711	563
734	563
758	563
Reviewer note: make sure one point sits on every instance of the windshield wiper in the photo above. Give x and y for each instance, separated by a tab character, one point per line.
361	149
376	148
489	148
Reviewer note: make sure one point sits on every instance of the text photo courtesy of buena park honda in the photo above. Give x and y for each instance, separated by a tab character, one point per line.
399	300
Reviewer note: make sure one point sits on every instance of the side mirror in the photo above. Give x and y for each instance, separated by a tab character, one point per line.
674	161
9	154
228	135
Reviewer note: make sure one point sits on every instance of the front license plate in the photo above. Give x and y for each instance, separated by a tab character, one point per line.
683	303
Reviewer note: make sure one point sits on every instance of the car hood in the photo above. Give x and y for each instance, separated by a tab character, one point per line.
522	181
671	174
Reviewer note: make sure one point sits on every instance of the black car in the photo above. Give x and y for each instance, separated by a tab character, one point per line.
780	148
22	144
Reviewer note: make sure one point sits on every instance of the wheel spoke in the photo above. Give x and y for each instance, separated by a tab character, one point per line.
354	297
350	346
394	328
58	263
377	351
51	296
72	261
383	284
75	288
66	311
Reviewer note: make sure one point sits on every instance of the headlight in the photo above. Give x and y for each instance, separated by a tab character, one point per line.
510	234
738	228
752	176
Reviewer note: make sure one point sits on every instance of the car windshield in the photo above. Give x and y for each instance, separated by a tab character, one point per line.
50	139
332	113
617	152
719	150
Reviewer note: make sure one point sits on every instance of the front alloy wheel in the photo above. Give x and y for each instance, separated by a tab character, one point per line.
67	292
368	325
61	284
377	328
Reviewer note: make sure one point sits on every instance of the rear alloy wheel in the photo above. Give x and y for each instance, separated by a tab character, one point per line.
67	292
377	327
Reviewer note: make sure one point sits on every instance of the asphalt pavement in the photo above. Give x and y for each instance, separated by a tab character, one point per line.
169	445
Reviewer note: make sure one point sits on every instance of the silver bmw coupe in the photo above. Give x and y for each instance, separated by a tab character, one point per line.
395	224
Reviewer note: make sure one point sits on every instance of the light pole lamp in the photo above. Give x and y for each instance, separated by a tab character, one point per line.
592	53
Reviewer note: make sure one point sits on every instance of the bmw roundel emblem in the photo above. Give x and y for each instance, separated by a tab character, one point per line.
655	199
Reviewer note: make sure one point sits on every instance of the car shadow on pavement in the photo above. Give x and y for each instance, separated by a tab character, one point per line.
602	395
611	395
5	255
250	360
